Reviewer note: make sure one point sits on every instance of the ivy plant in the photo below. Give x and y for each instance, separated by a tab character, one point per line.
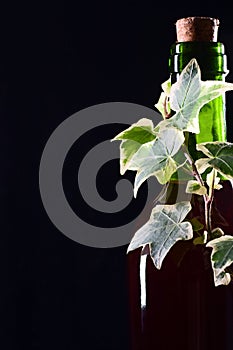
160	150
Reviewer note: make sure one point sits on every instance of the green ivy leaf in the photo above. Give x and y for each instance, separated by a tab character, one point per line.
132	138
155	158
196	224
201	239
189	94
220	156
164	228
221	258
193	186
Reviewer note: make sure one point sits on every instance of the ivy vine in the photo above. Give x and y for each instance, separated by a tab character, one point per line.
161	150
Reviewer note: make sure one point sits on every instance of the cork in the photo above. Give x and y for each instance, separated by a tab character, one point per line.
197	29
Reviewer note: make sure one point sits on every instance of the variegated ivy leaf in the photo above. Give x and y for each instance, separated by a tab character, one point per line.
221	278
163	104
142	131
189	94
166	86
164	228
217	232
220	157
221	258
193	186
213	181
202	164
127	149
132	139
156	158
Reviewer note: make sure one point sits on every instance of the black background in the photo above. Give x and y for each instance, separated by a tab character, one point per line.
55	60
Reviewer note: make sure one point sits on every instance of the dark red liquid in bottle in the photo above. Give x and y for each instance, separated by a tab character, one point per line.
184	310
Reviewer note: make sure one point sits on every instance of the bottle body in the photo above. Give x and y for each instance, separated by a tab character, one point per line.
183	308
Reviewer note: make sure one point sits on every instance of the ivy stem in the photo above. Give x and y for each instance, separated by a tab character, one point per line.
209	204
165	104
208	198
192	163
208	210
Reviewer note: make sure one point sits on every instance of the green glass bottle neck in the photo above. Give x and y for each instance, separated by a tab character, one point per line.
209	55
213	64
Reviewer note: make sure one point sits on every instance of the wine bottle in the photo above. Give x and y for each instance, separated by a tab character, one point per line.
179	307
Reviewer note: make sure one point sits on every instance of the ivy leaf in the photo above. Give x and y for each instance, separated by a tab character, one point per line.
166	86
201	239
217	232
196	224
221	278
142	132
193	186
221	258
202	164
220	156
164	228
127	150
132	139
213	180
155	158
189	94
163	104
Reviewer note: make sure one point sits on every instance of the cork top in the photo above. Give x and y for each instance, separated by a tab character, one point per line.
197	29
